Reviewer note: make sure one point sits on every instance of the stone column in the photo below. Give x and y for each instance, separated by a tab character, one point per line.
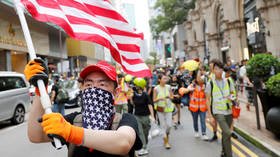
200	50
213	46
191	51
8	60
270	13
234	30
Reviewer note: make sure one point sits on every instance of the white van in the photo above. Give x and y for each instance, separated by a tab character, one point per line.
14	97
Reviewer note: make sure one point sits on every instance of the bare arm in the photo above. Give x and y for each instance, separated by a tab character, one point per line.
155	95
170	94
151	111
52	96
110	141
208	102
34	130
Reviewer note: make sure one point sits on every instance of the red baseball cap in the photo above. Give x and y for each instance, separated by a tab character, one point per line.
101	66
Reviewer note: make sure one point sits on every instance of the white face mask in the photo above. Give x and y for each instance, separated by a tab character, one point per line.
98	109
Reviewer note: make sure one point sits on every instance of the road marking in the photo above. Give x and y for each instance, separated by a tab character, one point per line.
234	149
240	145
244	148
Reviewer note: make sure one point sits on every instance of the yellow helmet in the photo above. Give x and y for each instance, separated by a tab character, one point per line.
140	82
128	78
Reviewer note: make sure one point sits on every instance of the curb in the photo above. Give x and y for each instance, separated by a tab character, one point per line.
256	142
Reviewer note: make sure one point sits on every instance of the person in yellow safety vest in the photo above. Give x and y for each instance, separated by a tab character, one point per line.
162	96
234	93
198	106
121	99
218	92
213	122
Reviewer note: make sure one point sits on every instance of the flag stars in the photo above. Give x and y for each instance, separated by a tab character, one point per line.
107	95
94	95
100	92
91	108
100	97
97	109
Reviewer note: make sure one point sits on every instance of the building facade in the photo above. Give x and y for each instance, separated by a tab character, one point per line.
49	41
63	55
83	53
217	29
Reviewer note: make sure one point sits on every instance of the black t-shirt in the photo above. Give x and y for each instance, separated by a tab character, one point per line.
127	120
186	80
141	102
175	87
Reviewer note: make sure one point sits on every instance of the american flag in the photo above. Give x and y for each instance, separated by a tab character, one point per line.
95	21
98	110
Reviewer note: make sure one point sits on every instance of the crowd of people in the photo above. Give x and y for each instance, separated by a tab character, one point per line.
119	109
209	92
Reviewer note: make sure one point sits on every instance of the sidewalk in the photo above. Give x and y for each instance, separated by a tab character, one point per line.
246	126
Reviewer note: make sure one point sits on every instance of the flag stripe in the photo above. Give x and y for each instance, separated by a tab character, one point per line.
95	21
103	9
130	55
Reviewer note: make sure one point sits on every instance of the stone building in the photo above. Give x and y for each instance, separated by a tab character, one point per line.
217	29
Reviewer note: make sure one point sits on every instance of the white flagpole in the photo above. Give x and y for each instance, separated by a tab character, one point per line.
45	100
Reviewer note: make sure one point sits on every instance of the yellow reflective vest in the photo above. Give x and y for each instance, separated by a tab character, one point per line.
162	92
220	99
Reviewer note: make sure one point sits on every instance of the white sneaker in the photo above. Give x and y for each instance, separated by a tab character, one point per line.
205	138
143	152
196	134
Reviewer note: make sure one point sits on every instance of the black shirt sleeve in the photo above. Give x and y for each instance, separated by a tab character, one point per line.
129	120
70	117
148	99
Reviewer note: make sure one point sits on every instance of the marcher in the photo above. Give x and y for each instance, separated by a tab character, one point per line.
247	83
198	106
162	100
57	105
143	111
186	79
231	82
174	83
128	81
219	98
213	121
121	99
95	135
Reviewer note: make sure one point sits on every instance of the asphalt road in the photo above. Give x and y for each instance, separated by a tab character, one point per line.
14	143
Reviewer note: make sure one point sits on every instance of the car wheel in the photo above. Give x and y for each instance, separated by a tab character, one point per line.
19	115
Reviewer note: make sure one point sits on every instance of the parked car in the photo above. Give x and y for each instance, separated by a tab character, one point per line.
72	87
14	97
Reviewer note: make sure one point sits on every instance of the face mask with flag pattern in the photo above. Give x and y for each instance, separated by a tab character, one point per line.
98	109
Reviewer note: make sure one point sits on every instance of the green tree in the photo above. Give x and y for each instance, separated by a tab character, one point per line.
172	12
153	59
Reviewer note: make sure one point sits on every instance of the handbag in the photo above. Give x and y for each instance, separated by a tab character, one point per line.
155	130
160	109
235	111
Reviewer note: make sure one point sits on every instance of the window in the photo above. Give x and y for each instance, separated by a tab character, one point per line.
8	83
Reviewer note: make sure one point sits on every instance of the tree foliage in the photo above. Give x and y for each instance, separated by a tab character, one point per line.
153	59
171	13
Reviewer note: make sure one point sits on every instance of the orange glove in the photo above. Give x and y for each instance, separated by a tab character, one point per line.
54	123
36	69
